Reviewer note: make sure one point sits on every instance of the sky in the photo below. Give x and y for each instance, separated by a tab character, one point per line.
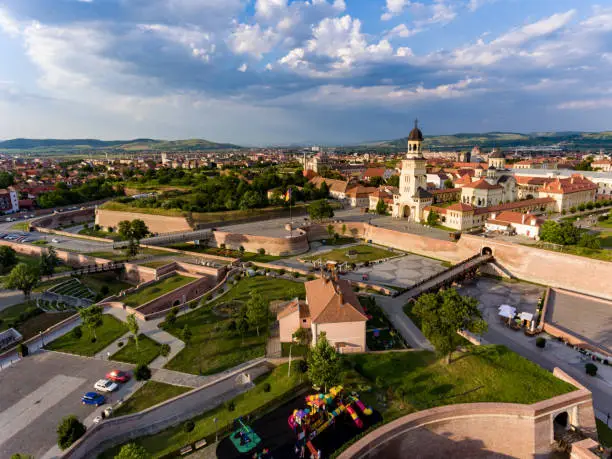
265	72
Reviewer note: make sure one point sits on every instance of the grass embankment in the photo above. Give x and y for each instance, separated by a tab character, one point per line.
109	279
149	395
604	433
246	256
111	330
21	226
413	381
146	352
100	233
206	217
156	290
156	264
596	254
215	346
172	439
28	320
362	253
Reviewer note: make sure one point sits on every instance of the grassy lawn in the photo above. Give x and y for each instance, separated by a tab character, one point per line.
604	433
214	346
147	351
156	290
418	380
109	279
110	330
21	226
42	286
149	395
37	321
100	233
246	256
172	439
363	253
606	239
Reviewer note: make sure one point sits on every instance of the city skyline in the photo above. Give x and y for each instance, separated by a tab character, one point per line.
329	71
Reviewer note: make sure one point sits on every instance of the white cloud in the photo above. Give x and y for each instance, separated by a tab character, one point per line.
394	8
592	104
269	8
476	4
243	68
8	25
403	31
199	43
253	40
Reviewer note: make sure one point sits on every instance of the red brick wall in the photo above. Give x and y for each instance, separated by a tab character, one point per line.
156	223
272	245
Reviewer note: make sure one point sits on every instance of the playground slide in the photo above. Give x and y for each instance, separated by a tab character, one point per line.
312	449
364	409
358	422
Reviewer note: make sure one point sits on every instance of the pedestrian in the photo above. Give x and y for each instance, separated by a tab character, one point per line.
107	355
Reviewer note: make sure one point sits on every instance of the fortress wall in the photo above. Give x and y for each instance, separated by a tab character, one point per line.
159	224
272	245
555	269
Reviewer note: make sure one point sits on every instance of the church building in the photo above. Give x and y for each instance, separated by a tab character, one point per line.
413	197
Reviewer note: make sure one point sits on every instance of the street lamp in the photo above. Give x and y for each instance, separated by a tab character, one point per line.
216	431
42	338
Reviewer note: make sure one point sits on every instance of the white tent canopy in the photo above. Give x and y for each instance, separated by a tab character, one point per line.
505	310
526	316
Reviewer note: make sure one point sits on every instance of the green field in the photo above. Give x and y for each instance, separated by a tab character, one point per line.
21	226
363	253
156	290
172	439
9	318
100	233
110	279
147	351
419	380
156	264
149	395
214	347
111	330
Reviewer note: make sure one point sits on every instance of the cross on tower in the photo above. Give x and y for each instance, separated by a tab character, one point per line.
416	123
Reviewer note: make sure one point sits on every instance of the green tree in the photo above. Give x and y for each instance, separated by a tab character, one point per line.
343	229
448	183
171	317
133	327
242	325
376	181
323	364
258	311
393	180
565	233
444	313
8	259
590	241
6	179
69	431
92	319
432	218
320	210
142	372
23	277
186	334
139	229
132	451
125	229
381	207
330	231
301	336
48	261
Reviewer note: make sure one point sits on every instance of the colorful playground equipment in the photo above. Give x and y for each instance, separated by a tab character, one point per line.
322	412
243	437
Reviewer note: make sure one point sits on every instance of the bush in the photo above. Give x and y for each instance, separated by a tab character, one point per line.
303	366
105	290
591	369
541	342
282	272
188	426
142	373
69	431
193	305
164	350
296	275
77	332
231	406
261	251
23	350
266	387
120	344
131	339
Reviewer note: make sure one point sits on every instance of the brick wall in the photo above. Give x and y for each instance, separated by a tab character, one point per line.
64	219
181	295
156	223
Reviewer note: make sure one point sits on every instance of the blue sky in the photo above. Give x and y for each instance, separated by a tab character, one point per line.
274	71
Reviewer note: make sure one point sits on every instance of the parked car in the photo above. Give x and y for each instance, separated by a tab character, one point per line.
104	415
93	398
118	376
106	385
55	241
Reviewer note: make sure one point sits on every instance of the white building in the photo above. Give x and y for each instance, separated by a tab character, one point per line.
413	196
9	201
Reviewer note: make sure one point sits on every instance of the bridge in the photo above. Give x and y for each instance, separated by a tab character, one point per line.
88	269
461	270
170	238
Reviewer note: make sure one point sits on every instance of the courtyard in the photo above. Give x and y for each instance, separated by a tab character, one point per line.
39	390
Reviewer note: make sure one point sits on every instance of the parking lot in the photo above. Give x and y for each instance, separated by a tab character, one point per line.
36	393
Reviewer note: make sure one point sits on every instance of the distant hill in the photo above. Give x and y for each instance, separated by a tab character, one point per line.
577	140
123	145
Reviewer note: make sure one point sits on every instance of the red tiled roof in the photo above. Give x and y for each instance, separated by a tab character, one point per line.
446	190
332	301
517	218
574	184
482	184
374	172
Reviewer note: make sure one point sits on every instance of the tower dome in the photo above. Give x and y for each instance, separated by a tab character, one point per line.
416	134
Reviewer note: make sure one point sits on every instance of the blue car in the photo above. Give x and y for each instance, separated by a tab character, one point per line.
93	398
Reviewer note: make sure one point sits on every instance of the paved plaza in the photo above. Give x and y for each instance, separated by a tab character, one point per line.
587	317
37	392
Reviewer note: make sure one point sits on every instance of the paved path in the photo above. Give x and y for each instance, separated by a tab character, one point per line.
112	348
393	308
10	298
